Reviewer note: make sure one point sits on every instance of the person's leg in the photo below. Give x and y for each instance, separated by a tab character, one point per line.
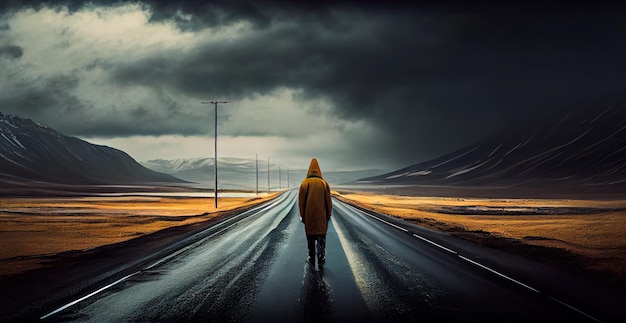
310	240
321	249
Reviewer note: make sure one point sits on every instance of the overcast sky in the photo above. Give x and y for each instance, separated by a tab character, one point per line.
375	86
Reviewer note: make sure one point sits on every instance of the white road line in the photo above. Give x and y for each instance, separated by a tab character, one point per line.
573	308
234	219
499	274
379	219
451	251
170	256
476	263
160	261
436	244
86	297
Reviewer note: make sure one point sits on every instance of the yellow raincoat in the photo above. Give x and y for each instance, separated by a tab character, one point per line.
314	201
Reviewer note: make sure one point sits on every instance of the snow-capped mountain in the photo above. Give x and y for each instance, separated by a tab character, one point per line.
170	166
586	148
233	173
32	152
240	173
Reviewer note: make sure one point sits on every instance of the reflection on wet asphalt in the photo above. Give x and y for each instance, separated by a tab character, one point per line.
316	299
254	269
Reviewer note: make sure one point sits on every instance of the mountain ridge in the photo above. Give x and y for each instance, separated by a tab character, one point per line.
585	148
240	173
30	151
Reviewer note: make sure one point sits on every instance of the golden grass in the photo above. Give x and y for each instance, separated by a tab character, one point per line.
601	236
32	228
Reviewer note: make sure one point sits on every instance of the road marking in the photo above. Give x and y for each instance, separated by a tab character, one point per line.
88	296
499	274
451	251
379	219
177	252
436	244
235	219
201	241
475	263
573	308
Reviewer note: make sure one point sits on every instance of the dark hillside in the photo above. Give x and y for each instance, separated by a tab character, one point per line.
33	152
581	149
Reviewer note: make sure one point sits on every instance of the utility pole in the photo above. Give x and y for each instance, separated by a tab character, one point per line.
268	175
257	174
215	153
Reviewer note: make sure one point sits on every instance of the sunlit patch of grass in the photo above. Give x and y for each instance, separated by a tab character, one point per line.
33	228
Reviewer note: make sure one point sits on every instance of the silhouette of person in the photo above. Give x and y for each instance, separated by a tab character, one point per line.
315	209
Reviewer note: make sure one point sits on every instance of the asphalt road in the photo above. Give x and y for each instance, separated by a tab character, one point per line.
252	267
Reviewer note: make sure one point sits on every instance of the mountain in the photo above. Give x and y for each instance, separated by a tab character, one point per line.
240	173
32	152
586	148
347	177
233	173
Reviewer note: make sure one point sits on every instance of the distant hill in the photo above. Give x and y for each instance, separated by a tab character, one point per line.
580	149
240	173
35	153
233	173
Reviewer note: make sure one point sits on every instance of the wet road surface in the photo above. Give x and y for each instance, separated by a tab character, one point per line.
252	268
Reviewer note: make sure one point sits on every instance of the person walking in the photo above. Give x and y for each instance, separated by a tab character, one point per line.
315	209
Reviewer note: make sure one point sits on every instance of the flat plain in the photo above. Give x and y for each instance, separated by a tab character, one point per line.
582	234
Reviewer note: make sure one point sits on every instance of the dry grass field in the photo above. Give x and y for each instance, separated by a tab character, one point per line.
594	231
33	229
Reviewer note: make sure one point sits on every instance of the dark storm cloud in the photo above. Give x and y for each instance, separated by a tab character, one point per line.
35	99
433	79
11	51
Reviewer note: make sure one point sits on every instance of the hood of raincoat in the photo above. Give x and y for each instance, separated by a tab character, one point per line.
314	169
